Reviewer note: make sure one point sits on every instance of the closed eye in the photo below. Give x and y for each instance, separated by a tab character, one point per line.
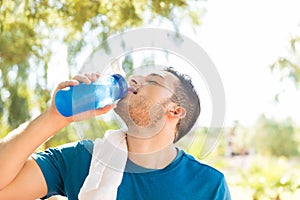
152	82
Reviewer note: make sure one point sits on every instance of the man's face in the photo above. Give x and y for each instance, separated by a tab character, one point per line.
145	103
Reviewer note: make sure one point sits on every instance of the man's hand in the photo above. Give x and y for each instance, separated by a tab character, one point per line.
80	78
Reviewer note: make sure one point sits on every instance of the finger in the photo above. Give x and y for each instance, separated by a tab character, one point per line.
82	78
93	77
67	84
98	74
89	76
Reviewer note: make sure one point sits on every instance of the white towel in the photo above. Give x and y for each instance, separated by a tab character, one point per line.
107	167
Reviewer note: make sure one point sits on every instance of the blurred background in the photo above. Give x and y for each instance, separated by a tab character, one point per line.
254	44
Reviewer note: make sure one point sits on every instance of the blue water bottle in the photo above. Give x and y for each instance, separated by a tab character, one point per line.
84	97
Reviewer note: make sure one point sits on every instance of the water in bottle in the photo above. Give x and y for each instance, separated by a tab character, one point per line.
84	97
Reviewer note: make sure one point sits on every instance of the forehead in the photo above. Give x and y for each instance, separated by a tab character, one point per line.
155	70
164	75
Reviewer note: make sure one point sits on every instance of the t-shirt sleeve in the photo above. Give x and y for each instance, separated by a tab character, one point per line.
55	164
223	190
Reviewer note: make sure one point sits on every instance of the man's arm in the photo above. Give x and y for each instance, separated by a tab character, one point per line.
21	175
18	145
29	184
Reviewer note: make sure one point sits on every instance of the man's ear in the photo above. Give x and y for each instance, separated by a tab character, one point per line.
177	112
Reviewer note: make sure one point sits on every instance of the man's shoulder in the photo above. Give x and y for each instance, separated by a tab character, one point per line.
72	150
211	181
77	145
86	144
202	168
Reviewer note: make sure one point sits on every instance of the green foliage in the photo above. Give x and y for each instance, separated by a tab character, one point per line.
127	65
290	66
202	142
275	138
165	7
270	177
29	28
193	143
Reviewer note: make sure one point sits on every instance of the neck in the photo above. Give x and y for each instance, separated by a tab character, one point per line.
156	152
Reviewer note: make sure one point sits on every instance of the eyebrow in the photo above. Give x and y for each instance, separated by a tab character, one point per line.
154	74
162	77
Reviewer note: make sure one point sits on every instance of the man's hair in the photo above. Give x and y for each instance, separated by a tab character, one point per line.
186	97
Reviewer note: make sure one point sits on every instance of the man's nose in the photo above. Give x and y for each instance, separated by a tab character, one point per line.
136	81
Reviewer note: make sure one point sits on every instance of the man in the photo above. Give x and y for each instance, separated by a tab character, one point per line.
158	110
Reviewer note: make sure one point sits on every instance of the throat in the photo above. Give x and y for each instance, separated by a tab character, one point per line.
150	159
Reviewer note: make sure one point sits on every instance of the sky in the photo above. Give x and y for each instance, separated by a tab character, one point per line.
243	38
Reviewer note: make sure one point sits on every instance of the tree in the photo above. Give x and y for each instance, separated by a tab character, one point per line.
290	66
275	138
28	30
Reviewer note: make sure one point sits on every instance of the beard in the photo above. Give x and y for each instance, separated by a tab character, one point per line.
140	114
139	111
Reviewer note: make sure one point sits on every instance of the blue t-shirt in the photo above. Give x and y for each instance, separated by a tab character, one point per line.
66	167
